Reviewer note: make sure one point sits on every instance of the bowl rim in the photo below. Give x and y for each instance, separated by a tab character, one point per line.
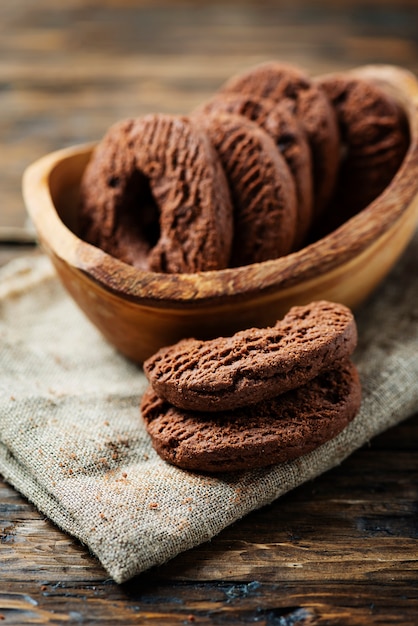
334	250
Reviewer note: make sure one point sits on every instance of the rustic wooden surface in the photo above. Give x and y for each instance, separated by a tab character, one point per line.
342	549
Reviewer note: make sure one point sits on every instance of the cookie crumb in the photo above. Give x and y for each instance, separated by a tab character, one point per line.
153	505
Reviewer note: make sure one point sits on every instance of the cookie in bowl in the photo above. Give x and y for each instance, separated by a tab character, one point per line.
154	195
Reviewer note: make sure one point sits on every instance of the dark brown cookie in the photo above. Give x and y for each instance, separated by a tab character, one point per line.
279	81
272	431
278	120
155	195
375	139
254	364
261	186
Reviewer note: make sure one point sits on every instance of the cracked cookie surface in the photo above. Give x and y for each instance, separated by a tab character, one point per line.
253	364
272	431
262	188
279	121
374	138
311	106
155	196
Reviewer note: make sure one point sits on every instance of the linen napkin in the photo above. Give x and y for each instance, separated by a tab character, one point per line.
72	440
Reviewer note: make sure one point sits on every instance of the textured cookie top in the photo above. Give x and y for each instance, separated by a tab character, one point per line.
279	81
253	364
272	431
280	122
261	186
155	195
374	134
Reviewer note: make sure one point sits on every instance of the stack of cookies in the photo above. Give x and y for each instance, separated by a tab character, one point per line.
273	161
257	398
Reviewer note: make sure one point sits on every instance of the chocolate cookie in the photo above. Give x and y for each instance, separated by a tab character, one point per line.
254	364
278	120
278	81
155	195
375	138
272	431
261	186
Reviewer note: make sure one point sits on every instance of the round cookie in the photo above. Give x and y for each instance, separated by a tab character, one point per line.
278	120
272	431
254	364
312	108
155	195
374	134
261	186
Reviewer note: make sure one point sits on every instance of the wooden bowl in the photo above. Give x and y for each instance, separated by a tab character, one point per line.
140	311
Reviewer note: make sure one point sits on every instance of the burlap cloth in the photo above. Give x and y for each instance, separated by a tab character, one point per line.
71	438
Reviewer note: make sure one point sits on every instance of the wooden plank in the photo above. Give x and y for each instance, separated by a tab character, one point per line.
344	546
65	76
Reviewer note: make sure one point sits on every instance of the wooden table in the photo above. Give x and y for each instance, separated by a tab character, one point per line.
342	549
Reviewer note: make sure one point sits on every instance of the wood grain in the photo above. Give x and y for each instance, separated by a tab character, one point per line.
67	74
340	550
